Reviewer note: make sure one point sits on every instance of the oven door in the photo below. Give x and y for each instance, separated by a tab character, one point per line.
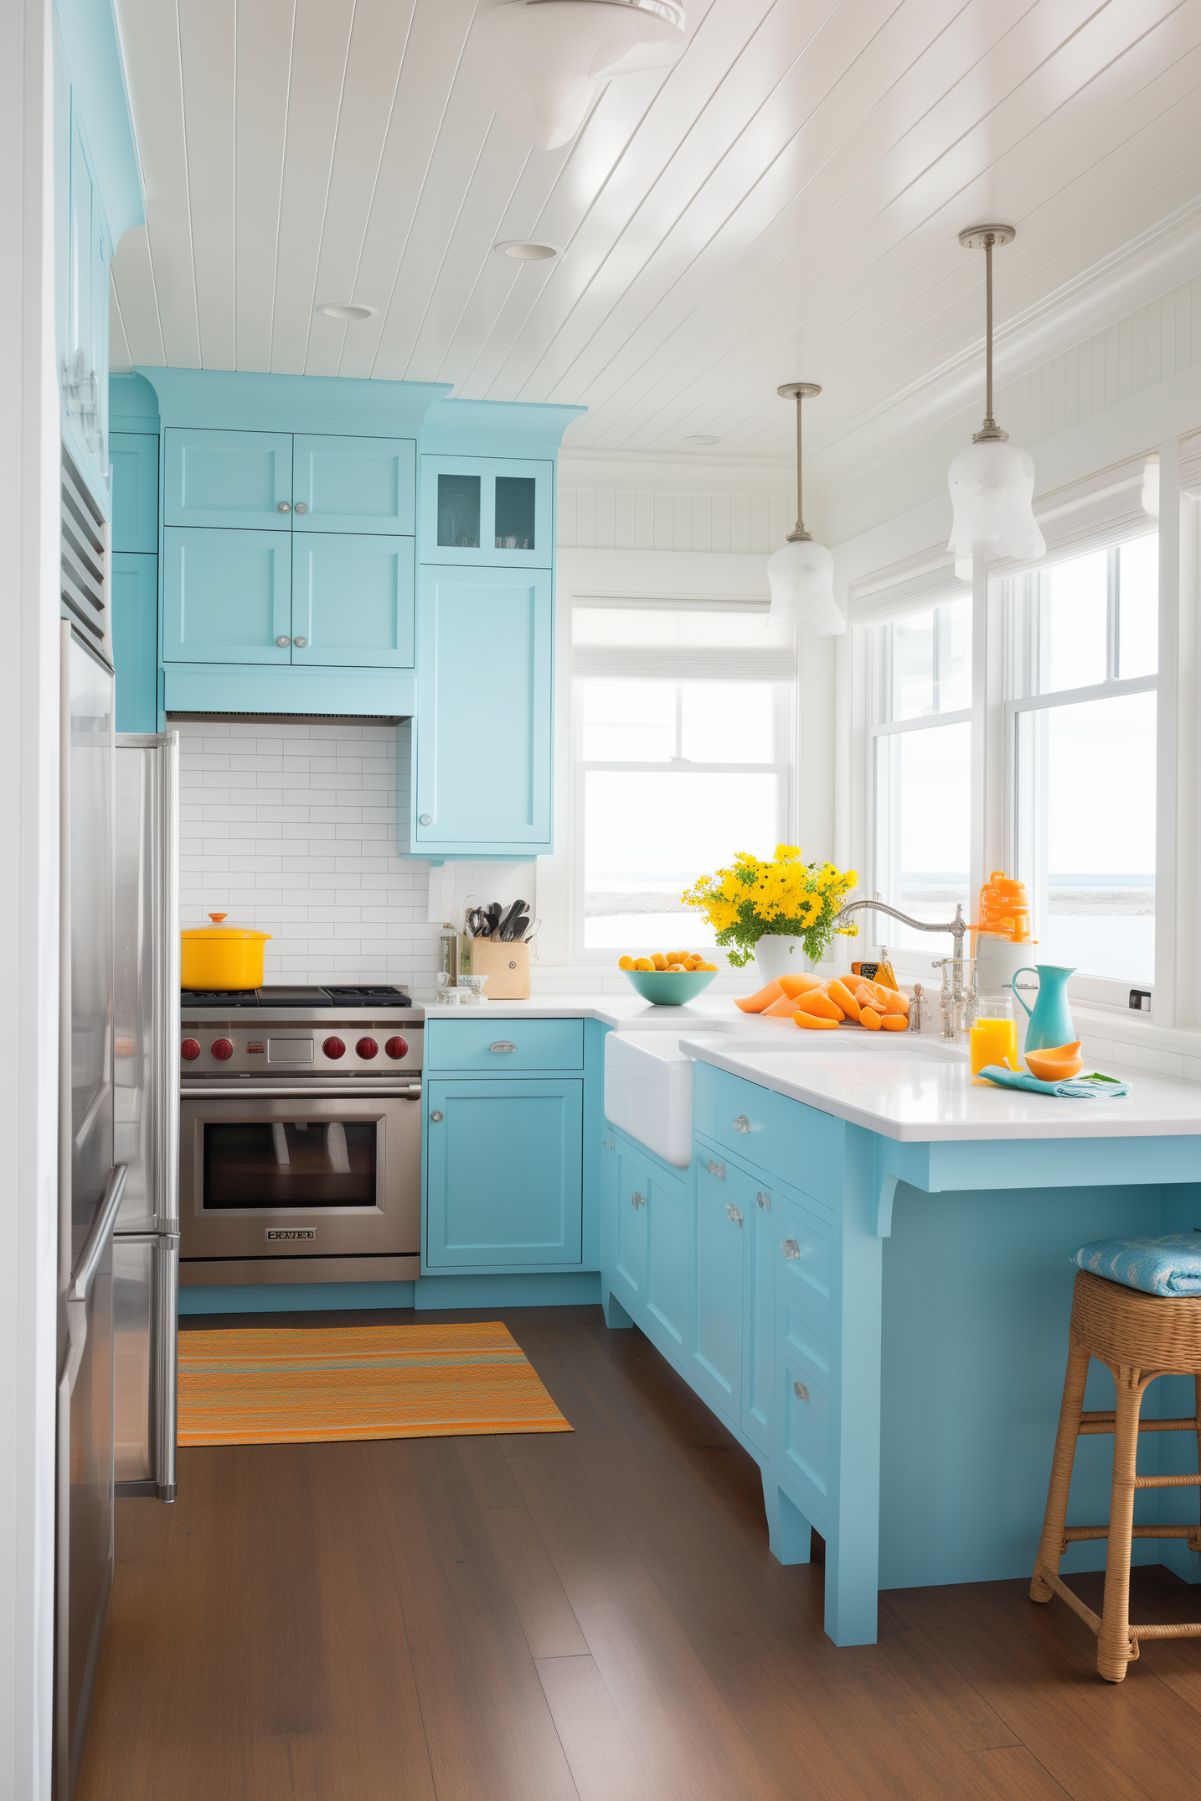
272	1173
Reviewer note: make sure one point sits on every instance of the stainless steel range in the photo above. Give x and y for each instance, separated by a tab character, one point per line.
300	1135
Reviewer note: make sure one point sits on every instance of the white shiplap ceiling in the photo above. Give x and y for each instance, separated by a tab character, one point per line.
782	203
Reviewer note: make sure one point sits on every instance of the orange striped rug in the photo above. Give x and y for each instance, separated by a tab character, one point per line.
319	1384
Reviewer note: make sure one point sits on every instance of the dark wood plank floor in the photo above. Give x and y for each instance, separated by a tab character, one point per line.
585	1618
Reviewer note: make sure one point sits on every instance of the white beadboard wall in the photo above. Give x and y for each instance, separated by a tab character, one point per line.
290	826
602	518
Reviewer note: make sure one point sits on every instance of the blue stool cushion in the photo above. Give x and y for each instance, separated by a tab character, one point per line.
1164	1266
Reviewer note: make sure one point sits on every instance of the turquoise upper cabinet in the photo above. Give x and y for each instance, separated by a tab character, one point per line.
482	780
84	316
134	459
354	485
240	479
227	596
352	600
504	1173
134	603
487	510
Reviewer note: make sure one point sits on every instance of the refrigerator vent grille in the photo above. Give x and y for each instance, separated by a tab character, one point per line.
84	565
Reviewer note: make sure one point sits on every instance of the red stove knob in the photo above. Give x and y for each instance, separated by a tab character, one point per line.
222	1049
396	1048
189	1050
367	1048
334	1047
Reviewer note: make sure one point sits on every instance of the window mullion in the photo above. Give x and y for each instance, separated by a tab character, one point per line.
1113	614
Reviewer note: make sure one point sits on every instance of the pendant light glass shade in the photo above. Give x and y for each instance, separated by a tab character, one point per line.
550	58
991	482
800	574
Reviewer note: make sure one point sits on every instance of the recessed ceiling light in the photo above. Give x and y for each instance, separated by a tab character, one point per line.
347	310
703	439
525	250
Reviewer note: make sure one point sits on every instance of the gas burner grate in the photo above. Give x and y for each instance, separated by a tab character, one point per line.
351	995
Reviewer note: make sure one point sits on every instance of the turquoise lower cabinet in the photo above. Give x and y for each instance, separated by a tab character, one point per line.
354	485
718	1303
630	1227
240	479
227	596
352	600
760	1376
482	736
134	603
668	1242
504	1173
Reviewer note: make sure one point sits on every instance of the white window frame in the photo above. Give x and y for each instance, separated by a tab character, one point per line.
634	663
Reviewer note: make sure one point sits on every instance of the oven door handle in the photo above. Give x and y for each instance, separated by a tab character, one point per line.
253	1090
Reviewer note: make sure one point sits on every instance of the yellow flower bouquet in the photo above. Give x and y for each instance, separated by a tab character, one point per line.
784	897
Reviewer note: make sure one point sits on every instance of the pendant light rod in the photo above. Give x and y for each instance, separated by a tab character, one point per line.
987	237
800	391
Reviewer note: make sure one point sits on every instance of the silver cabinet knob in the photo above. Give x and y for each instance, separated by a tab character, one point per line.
300	643
791	1249
302	506
800	1391
716	1169
437	1117
426	819
283	642
733	1214
637	1200
607	1142
741	1123
503	1047
763	1201
283	506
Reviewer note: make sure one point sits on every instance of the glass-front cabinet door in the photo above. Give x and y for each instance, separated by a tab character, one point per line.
487	510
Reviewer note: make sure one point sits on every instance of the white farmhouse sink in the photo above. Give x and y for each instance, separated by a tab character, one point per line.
648	1092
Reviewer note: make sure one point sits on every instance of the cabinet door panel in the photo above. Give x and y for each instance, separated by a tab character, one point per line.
227	478
352	600
354	485
227	596
717	1302
135	640
668	1260
483	739
759	1405
487	511
629	1265
134	458
504	1178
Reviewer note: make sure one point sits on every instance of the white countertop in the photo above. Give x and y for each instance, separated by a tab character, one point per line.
626	1012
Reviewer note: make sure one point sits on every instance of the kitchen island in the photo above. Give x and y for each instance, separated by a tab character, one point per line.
865	1272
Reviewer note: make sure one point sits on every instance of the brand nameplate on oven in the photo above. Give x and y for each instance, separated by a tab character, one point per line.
282	1235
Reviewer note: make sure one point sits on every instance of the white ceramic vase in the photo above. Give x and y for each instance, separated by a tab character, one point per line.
779	955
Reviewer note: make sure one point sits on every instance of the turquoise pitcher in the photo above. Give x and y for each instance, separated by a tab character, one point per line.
1051	1017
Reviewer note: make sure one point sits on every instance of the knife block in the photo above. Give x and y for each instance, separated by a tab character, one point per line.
506	966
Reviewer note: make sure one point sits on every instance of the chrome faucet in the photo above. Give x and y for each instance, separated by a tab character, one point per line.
954	994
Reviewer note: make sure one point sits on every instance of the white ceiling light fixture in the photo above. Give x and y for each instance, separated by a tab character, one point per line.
550	58
347	311
527	250
801	573
992	482
703	439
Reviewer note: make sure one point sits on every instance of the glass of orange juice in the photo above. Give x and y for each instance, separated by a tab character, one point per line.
994	1036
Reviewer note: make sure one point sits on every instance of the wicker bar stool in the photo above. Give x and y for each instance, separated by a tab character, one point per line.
1139	1336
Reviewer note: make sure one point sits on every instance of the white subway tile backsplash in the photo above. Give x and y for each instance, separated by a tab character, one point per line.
291	828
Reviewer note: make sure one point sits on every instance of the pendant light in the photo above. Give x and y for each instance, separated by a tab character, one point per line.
992	482
549	58
801	573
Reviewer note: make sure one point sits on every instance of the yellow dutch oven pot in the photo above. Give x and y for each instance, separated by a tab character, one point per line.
221	956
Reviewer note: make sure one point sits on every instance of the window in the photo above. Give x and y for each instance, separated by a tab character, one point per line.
681	725
920	759
1083	677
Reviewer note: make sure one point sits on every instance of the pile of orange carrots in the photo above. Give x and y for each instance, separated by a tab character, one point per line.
821	1004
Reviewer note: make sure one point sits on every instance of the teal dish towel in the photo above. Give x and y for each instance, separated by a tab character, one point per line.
1164	1266
1076	1088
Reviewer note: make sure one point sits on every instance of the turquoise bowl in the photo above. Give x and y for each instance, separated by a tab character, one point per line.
669	987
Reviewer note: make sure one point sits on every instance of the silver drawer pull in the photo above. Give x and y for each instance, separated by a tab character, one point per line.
716	1169
790	1248
741	1123
301	506
763	1201
800	1391
607	1142
637	1200
502	1047
437	1117
733	1214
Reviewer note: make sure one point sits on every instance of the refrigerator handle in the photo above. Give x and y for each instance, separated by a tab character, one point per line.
165	999
166	1330
84	1274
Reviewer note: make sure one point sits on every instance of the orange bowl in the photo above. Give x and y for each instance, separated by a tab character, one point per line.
1057	1063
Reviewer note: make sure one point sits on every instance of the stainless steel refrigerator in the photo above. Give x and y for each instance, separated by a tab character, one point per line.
146	1044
